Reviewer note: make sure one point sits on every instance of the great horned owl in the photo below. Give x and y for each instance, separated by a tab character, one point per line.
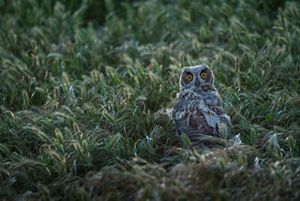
199	111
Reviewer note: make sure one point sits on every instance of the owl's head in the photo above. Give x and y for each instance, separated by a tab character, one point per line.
197	78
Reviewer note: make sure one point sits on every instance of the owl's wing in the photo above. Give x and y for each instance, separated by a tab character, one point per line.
212	98
217	119
224	126
177	113
178	109
210	114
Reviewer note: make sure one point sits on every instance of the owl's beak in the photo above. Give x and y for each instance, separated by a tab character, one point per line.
197	83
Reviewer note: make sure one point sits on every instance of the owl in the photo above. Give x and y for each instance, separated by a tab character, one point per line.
198	111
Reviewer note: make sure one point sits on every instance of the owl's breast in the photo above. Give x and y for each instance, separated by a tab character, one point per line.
195	117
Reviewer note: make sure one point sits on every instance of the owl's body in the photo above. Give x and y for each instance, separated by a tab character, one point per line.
199	110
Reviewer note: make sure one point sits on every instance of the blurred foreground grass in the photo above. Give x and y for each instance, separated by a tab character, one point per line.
81	82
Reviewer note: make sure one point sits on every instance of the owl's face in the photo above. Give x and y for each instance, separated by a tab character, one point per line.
197	78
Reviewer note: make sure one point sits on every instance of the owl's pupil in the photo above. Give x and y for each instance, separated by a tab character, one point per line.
203	75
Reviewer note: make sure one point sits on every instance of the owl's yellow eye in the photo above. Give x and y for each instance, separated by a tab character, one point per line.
189	77
203	75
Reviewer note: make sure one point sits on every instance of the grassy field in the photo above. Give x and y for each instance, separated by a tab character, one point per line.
81	82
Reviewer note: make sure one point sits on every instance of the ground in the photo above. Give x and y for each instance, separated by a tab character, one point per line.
82	81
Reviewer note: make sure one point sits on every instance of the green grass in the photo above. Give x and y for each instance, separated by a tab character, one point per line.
82	81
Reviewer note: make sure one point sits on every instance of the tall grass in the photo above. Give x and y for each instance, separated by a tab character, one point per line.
82	81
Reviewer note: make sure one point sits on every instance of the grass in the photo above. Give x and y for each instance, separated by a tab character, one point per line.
82	81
